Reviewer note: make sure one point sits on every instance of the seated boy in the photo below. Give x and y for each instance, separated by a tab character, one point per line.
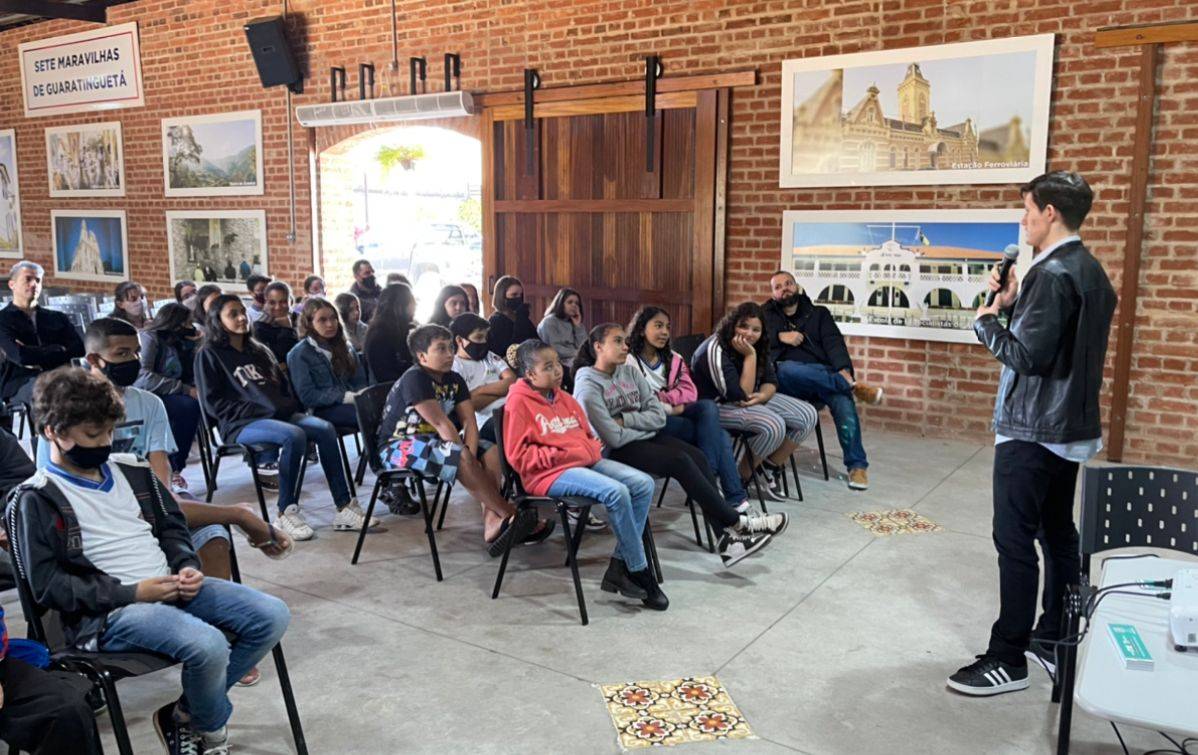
487	376
105	545
426	416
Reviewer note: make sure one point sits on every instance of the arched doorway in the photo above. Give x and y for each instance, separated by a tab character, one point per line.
409	199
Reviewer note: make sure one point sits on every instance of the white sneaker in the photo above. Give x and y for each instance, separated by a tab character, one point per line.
593	522
755	524
735	547
215	742
292	522
350	518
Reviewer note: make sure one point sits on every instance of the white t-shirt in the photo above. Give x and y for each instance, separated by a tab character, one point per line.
144	429
656	377
479	372
116	539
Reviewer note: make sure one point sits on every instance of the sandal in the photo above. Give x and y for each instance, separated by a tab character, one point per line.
539	535
252	677
517	527
277	556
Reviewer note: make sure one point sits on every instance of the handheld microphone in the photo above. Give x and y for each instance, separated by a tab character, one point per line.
1009	255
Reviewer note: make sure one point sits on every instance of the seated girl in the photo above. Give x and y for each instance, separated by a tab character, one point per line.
688	418
168	347
351	316
451	302
324	370
275	329
428	421
243	389
551	447
510	324
130	304
732	367
630	420
386	339
562	326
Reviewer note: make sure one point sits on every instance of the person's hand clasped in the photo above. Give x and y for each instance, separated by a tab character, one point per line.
158	589
190	582
1006	292
792	338
753	400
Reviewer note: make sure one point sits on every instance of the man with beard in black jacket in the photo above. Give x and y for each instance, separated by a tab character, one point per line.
813	364
1047	422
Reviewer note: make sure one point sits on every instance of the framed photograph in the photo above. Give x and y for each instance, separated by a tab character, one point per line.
214	246
10	197
900	273
213	155
86	160
964	113
90	245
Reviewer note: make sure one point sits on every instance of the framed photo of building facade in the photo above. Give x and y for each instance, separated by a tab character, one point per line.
213	155
10	197
90	245
217	246
970	112
86	160
900	273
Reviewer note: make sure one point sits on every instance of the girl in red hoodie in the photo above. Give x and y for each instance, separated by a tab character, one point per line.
550	444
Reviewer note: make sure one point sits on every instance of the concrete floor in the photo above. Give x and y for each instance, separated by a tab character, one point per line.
830	641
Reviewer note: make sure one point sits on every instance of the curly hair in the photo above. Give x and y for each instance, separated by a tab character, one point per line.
636	332
68	397
523	356
726	330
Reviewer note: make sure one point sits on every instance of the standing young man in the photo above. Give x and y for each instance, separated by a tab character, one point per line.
1047	422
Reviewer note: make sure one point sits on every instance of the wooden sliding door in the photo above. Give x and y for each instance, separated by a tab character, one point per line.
588	211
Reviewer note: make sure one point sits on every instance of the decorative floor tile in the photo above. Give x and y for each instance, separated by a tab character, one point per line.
667	713
894	522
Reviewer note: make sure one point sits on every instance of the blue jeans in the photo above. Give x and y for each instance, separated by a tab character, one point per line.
699	425
341	416
822	383
624	492
292	438
192	634
183	412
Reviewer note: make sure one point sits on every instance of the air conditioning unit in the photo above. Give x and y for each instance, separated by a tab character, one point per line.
414	107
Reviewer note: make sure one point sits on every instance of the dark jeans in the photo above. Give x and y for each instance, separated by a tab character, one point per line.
291	439
45	712
1033	500
183	411
664	456
818	382
341	416
699	425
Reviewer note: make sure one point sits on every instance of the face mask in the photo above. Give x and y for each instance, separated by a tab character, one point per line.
514	302
123	374
260	299
87	458
135	308
476	351
368	281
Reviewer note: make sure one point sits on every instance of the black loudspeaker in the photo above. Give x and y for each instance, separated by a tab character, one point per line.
272	54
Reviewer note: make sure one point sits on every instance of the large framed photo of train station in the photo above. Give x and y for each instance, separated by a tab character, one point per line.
900	273
963	113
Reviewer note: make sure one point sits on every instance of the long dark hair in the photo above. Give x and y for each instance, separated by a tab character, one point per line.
202	293
216	335
557	307
344	302
726	330
345	364
586	356
122	291
170	322
391	316
499	294
440	316
636	332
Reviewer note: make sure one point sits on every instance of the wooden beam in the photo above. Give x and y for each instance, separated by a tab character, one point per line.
747	77
94	12
703	272
724	116
1137	196
1146	34
593	106
512	206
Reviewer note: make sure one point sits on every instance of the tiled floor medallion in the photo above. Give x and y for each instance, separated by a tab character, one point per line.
667	713
894	522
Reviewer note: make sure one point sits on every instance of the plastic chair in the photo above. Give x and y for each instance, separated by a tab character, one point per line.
687	345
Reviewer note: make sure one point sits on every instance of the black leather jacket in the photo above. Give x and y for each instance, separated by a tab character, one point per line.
1054	350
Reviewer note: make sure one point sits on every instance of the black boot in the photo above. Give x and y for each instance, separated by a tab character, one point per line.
618	579
654	597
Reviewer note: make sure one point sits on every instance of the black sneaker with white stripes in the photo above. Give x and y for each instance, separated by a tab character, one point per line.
1044	656
988	676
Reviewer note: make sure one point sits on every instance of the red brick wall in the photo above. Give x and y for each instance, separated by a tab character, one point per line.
195	60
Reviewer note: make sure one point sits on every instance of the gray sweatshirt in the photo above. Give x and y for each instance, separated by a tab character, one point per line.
564	336
622	394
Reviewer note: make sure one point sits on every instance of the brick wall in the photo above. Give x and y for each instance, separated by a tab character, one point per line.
195	60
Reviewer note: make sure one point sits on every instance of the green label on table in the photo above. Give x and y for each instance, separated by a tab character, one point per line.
1131	647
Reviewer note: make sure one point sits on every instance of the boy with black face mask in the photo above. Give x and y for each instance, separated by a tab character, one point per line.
487	376
105	544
